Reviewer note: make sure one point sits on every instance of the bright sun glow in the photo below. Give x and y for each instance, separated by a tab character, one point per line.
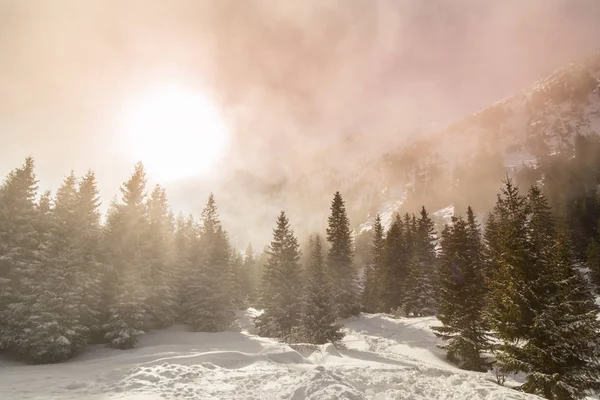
176	132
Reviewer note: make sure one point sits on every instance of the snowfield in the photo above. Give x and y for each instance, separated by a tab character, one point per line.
380	358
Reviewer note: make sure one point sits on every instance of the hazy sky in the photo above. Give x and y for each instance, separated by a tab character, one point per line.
290	77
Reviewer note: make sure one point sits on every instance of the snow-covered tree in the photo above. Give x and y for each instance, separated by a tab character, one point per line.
162	299
541	307
208	304
59	308
461	295
339	259
371	299
185	246
20	259
281	288
318	324
419	296
593	263
252	274
126	250
395	267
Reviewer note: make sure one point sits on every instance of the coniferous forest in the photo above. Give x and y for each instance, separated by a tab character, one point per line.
512	292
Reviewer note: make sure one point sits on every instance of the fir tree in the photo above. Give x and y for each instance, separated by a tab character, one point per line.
319	320
374	282
461	294
339	259
281	290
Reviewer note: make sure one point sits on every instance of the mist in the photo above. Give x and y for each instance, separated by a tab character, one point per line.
312	89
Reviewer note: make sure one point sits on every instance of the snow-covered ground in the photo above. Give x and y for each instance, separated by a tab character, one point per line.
380	358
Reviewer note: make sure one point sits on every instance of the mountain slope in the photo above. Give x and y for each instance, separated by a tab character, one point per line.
464	163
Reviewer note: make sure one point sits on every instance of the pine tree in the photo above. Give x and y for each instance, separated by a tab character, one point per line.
208	305
374	282
20	262
319	324
281	289
339	259
125	246
419	298
461	294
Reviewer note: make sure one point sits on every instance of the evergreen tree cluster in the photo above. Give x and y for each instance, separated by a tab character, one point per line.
401	276
512	291
539	305
67	280
306	306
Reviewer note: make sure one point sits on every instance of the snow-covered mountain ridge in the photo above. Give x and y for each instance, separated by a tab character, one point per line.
540	120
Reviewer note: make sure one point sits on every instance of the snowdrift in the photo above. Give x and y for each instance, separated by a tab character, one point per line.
380	358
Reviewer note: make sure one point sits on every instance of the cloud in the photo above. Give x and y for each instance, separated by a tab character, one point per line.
295	79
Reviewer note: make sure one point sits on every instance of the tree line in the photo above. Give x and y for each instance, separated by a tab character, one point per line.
511	289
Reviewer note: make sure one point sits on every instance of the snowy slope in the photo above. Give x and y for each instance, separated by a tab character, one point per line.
380	358
539	120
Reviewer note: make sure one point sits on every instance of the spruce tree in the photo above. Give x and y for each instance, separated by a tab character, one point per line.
87	241
461	294
339	259
60	309
319	324
419	298
162	300
395	269
20	262
184	241
561	354
281	290
253	276
208	305
511	262
593	263
540	305
240	278
374	282
126	246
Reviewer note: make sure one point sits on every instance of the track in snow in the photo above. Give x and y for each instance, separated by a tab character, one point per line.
380	358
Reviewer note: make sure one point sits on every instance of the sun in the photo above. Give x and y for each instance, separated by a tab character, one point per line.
177	132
